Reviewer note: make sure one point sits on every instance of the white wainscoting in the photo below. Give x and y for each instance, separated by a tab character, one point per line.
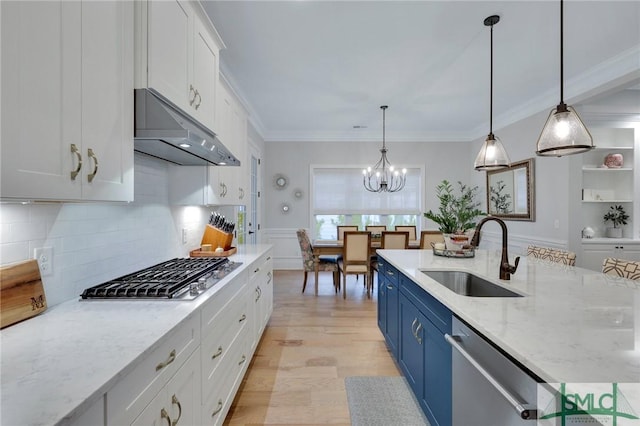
286	250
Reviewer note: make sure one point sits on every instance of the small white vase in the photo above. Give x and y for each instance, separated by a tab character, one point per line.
614	232
458	243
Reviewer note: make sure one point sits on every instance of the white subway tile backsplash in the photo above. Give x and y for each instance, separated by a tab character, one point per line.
96	242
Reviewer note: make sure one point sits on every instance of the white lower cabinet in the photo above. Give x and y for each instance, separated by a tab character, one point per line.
178	403
594	254
192	376
127	400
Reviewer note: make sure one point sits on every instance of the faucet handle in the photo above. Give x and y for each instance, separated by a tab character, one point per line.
512	268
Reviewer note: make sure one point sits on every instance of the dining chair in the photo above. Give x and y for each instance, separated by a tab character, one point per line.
390	240
345	228
376	229
411	229
326	263
428	237
621	268
355	259
552	255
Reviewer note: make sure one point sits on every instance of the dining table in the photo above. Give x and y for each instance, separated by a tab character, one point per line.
336	247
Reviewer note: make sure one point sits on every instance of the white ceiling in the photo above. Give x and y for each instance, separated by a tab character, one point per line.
312	70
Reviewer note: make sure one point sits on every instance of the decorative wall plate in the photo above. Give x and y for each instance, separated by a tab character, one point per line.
298	194
280	181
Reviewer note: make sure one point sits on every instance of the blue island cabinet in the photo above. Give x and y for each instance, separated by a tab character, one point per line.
388	293
422	354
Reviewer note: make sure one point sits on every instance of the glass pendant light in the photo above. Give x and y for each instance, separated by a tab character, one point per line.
563	133
383	177
492	155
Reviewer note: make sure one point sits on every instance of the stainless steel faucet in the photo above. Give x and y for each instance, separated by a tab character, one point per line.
505	269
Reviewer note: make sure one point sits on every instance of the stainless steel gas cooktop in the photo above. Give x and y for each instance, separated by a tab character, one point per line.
175	279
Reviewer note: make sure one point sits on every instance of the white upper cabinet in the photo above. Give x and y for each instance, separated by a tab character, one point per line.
182	51
67	104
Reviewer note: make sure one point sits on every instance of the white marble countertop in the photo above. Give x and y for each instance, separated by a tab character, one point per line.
573	325
58	363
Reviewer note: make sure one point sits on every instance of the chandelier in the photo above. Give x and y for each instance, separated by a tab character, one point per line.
383	177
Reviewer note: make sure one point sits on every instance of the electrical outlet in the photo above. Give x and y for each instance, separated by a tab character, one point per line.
185	235
556	224
44	256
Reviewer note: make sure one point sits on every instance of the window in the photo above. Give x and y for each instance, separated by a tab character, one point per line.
339	198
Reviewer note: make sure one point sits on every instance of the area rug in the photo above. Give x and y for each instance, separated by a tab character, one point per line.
382	401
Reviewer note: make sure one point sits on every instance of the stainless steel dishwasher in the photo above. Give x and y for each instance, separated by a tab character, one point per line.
488	388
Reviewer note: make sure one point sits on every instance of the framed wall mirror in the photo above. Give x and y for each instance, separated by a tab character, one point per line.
510	191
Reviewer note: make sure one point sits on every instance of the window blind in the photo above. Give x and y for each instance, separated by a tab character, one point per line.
339	190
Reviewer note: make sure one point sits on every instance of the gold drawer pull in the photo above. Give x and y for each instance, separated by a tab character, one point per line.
244	358
165	415
217	354
174	400
91	154
172	357
242	318
218	408
76	151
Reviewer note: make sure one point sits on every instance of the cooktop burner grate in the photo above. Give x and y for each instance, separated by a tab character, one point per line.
165	280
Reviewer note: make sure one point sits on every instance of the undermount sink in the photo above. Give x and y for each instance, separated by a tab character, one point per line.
467	284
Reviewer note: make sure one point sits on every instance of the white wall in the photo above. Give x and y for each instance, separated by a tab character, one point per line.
441	160
96	242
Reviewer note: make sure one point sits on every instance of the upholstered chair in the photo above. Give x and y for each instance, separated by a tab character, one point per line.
428	237
355	259
326	263
345	228
552	255
411	229
621	268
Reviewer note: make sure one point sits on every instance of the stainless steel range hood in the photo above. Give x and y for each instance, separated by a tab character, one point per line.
165	131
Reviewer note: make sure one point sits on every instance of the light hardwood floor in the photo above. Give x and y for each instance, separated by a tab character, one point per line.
309	346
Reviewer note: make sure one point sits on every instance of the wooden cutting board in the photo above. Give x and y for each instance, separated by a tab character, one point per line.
21	292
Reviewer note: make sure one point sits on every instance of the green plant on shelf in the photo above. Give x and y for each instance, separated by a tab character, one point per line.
616	215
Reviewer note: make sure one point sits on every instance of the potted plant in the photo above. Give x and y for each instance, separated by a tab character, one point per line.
618	217
457	213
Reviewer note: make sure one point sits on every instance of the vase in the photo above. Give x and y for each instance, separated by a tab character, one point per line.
614	232
456	241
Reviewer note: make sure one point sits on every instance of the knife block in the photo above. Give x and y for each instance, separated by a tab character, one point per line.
216	238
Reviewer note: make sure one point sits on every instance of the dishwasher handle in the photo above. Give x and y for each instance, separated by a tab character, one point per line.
524	410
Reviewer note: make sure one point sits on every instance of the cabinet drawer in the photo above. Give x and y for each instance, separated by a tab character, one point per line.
219	389
218	301
223	331
130	395
435	311
389	272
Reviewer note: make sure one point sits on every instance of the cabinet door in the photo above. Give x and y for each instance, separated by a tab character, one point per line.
107	104
593	256
411	352
393	329
205	71
382	303
169	35
154	414
41	98
437	376
183	393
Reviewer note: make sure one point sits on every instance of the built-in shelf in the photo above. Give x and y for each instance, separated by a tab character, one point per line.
607	201
606	169
612	148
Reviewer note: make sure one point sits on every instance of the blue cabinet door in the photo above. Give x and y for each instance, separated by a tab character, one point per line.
393	329
436	401
382	305
411	353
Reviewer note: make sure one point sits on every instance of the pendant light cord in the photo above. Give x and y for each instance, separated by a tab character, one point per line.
561	52
491	87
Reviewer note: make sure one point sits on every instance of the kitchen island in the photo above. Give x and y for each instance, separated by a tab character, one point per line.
572	325
564	325
71	361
